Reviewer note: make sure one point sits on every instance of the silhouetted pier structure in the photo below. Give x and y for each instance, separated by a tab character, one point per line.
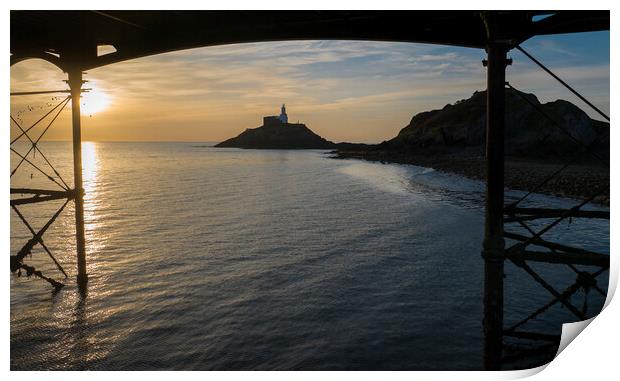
69	40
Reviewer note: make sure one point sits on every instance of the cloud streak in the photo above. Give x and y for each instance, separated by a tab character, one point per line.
345	90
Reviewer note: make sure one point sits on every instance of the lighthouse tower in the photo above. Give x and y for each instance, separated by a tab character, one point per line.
283	117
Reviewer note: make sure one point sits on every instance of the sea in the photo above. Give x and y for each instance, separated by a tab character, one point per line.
203	258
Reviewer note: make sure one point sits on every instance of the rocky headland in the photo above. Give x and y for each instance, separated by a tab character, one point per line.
452	139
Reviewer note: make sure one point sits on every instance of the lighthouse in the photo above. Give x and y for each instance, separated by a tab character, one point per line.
283	117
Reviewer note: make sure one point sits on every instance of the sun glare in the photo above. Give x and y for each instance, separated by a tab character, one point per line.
94	101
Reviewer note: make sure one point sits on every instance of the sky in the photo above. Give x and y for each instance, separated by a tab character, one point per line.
353	91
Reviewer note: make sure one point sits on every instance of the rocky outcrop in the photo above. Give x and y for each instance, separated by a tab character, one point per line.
452	140
528	132
278	135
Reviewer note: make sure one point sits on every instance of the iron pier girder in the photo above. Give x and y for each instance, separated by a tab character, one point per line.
75	84
493	245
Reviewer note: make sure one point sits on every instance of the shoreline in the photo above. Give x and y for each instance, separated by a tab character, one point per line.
576	181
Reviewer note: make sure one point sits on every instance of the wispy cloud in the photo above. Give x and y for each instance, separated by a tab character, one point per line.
553	46
346	90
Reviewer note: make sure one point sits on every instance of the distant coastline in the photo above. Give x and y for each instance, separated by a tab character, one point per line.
452	139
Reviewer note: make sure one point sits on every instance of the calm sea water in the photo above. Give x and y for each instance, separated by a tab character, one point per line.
204	258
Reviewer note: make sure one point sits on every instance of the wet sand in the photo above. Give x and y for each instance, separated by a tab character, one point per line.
579	181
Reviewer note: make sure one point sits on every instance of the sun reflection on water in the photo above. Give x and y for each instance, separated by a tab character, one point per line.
92	201
90	165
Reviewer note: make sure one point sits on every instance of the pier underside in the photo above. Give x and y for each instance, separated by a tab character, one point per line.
70	40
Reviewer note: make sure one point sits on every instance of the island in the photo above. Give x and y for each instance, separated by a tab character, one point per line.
277	133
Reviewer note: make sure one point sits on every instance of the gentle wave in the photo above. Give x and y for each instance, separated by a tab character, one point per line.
204	258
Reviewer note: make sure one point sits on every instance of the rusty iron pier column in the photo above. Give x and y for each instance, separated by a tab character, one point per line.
493	245
75	84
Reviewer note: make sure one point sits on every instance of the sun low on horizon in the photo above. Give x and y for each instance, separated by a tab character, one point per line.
94	101
355	91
